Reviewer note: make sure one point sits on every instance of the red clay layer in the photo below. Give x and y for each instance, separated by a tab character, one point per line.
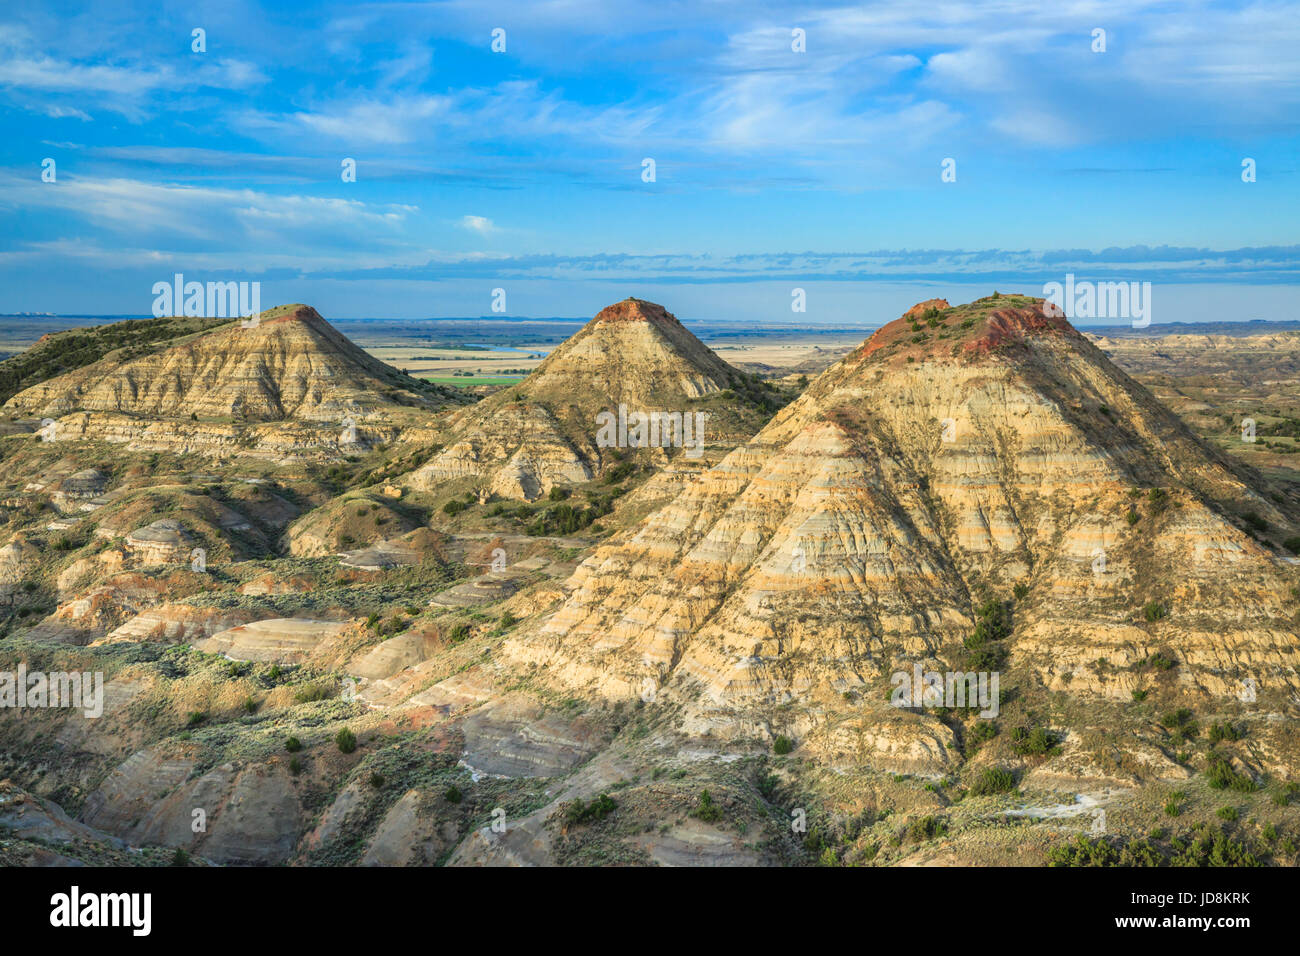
1000	327
635	310
1008	325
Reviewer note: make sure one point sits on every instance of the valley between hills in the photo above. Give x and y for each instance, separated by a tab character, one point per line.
348	616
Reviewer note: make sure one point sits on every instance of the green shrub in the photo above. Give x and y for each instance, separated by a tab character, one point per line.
1154	611
454	507
1220	775
1181	723
1213	849
927	828
1036	743
782	746
992	622
1254	521
1160	661
982	732
1221	732
346	740
1227	813
1084	851
293	745
706	809
453	795
993	780
576	812
311	692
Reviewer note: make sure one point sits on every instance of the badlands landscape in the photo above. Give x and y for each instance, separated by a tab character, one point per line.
346	616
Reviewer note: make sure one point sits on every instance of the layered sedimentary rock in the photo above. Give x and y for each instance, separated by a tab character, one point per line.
291	365
209	392
164	541
281	640
958	453
543	432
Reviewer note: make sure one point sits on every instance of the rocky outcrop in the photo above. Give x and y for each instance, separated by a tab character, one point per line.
348	524
177	624
228	815
17	558
165	541
278	640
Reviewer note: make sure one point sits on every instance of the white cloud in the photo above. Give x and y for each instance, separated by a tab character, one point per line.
133	207
480	224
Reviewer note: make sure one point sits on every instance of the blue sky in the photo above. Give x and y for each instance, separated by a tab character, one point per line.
774	169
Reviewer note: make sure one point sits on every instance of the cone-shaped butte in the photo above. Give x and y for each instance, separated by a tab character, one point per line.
288	364
634	356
